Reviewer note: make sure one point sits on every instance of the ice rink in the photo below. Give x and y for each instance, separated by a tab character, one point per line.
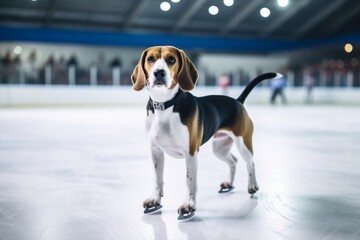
82	173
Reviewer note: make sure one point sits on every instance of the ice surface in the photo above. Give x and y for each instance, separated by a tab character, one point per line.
82	173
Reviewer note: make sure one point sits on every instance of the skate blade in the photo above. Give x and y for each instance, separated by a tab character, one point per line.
153	209
226	190
186	216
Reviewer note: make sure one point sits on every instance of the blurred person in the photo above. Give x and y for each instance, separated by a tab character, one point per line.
93	73
6	67
72	61
224	83
116	62
309	86
50	61
115	66
30	69
72	67
277	86
103	71
19	71
6	59
60	72
49	69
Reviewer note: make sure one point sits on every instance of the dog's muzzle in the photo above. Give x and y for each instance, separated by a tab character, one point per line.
159	75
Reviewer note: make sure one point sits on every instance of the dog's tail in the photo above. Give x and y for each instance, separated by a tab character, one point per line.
255	82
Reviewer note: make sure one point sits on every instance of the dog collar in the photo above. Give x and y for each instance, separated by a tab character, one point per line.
161	106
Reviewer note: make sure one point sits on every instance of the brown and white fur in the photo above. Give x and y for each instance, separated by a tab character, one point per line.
189	121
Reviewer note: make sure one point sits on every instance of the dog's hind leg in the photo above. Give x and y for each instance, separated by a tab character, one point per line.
244	145
222	144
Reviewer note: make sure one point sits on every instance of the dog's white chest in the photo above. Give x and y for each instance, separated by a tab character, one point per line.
166	131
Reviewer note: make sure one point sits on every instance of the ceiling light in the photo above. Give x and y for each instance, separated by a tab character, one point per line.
283	3
165	6
213	10
228	3
348	48
265	12
18	50
175	1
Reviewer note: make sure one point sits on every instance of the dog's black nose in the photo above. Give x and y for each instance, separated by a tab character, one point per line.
160	74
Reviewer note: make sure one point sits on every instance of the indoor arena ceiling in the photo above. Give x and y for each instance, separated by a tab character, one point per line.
300	19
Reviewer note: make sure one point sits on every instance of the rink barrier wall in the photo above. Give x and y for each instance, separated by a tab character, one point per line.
43	96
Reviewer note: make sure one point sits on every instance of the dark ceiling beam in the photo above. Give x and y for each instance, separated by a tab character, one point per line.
240	16
320	16
139	7
286	15
197	4
339	23
39	16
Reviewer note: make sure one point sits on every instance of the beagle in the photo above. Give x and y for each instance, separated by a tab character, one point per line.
178	123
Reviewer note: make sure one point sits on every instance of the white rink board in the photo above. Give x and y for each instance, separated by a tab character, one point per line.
21	95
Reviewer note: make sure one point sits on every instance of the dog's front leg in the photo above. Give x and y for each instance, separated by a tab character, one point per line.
191	181
158	164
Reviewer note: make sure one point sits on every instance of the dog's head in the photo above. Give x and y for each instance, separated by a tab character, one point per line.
164	67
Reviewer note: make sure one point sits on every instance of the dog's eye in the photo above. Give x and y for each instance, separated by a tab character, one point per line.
150	59
171	60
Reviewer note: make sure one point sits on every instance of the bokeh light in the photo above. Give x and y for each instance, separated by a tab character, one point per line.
348	47
213	10
265	12
165	6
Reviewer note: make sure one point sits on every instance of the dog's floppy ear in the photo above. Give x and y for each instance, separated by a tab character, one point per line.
188	75
139	77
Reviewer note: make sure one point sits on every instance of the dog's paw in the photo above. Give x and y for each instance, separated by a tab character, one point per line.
226	187
253	188
151	202
186	208
252	184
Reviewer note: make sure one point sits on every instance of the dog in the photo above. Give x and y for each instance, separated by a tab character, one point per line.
178	123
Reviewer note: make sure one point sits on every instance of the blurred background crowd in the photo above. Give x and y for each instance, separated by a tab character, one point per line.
77	69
